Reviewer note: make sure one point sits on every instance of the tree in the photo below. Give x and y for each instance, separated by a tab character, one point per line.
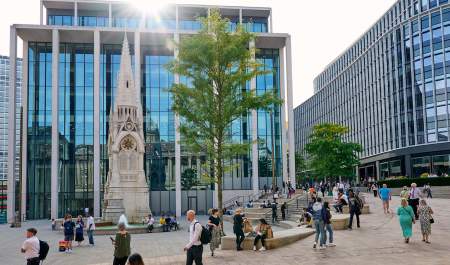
329	155
219	65
189	178
300	167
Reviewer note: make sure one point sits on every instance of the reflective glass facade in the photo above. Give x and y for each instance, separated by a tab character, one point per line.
390	88
4	102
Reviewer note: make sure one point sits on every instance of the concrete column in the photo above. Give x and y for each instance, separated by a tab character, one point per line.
55	134
270	28
11	195
41	15
97	176
110	15
377	171
408	168
240	16
177	144
24	131
283	116
177	20
290	111
75	17
254	132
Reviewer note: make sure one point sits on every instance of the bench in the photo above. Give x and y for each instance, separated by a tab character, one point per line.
365	209
281	238
340	221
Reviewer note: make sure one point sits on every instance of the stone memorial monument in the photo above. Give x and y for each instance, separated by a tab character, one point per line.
126	189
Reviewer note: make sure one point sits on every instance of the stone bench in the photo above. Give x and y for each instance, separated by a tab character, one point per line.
281	238
287	224
340	221
365	209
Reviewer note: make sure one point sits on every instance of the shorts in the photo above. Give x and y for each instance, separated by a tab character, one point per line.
385	200
68	237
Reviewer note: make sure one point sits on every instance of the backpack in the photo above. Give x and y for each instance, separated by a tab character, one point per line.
205	236
43	249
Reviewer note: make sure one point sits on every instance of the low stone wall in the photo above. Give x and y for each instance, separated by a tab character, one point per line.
365	209
281	238
340	221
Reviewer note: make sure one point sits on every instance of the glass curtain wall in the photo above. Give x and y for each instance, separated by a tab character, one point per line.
269	131
39	130
76	128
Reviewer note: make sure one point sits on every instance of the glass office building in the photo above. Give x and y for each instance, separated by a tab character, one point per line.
70	76
391	88
4	102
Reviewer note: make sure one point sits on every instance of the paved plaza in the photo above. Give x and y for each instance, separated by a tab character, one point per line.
378	241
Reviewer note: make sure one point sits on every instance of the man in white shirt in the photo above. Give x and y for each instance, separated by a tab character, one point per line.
31	247
414	197
194	248
90	229
150	223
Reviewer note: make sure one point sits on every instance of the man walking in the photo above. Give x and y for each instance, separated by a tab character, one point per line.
414	197
274	212
385	196
90	229
31	247
194	248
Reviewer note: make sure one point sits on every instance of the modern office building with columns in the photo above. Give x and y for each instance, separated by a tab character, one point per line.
70	65
391	88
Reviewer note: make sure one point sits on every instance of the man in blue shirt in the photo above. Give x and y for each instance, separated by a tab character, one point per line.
385	196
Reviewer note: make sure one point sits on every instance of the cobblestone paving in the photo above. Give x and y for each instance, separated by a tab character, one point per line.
378	241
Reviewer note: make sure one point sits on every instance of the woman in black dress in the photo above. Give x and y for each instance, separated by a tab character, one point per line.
79	226
214	227
238	224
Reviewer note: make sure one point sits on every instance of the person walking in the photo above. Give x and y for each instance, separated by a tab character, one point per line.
261	234
425	217
274	207
414	197
386	197
90	228
214	227
354	207
406	218
238	224
194	249
69	226
135	259
31	247
404	193
318	223
79	227
326	215
121	245
427	191
375	190
283	211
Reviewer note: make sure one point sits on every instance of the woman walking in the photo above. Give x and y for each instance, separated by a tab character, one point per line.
261	234
425	217
121	245
406	218
79	226
214	227
326	213
375	189
238	223
354	206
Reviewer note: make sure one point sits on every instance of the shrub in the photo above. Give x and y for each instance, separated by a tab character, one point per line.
398	183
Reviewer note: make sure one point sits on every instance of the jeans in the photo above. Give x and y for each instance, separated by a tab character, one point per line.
429	195
33	261
195	253
330	232
414	203
239	238
353	213
120	261
149	228
338	208
90	234
262	238
274	218
320	231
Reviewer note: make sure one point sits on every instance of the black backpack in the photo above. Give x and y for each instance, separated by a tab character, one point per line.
43	249
205	236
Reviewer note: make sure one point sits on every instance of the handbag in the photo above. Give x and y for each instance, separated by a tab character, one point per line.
432	220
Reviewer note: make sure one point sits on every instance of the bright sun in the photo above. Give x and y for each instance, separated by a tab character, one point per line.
149	6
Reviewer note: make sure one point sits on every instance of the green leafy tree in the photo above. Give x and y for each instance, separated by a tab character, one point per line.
300	167
189	178
218	64
329	155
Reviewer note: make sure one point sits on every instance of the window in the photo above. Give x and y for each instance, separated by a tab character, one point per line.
425	21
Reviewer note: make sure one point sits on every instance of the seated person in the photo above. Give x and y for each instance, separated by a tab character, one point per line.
168	223
261	234
340	202
263	205
162	222
150	222
173	223
306	219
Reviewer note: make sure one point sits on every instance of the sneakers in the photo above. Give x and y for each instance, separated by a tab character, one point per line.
262	249
331	245
254	248
322	247
315	245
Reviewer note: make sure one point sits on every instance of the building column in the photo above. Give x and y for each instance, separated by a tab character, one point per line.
75	17
377	171
97	154
24	131
408	168
254	132
55	134
240	16
290	111
177	144
283	116
11	195
110	15
41	13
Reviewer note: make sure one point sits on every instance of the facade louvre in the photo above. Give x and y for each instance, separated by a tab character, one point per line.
391	89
